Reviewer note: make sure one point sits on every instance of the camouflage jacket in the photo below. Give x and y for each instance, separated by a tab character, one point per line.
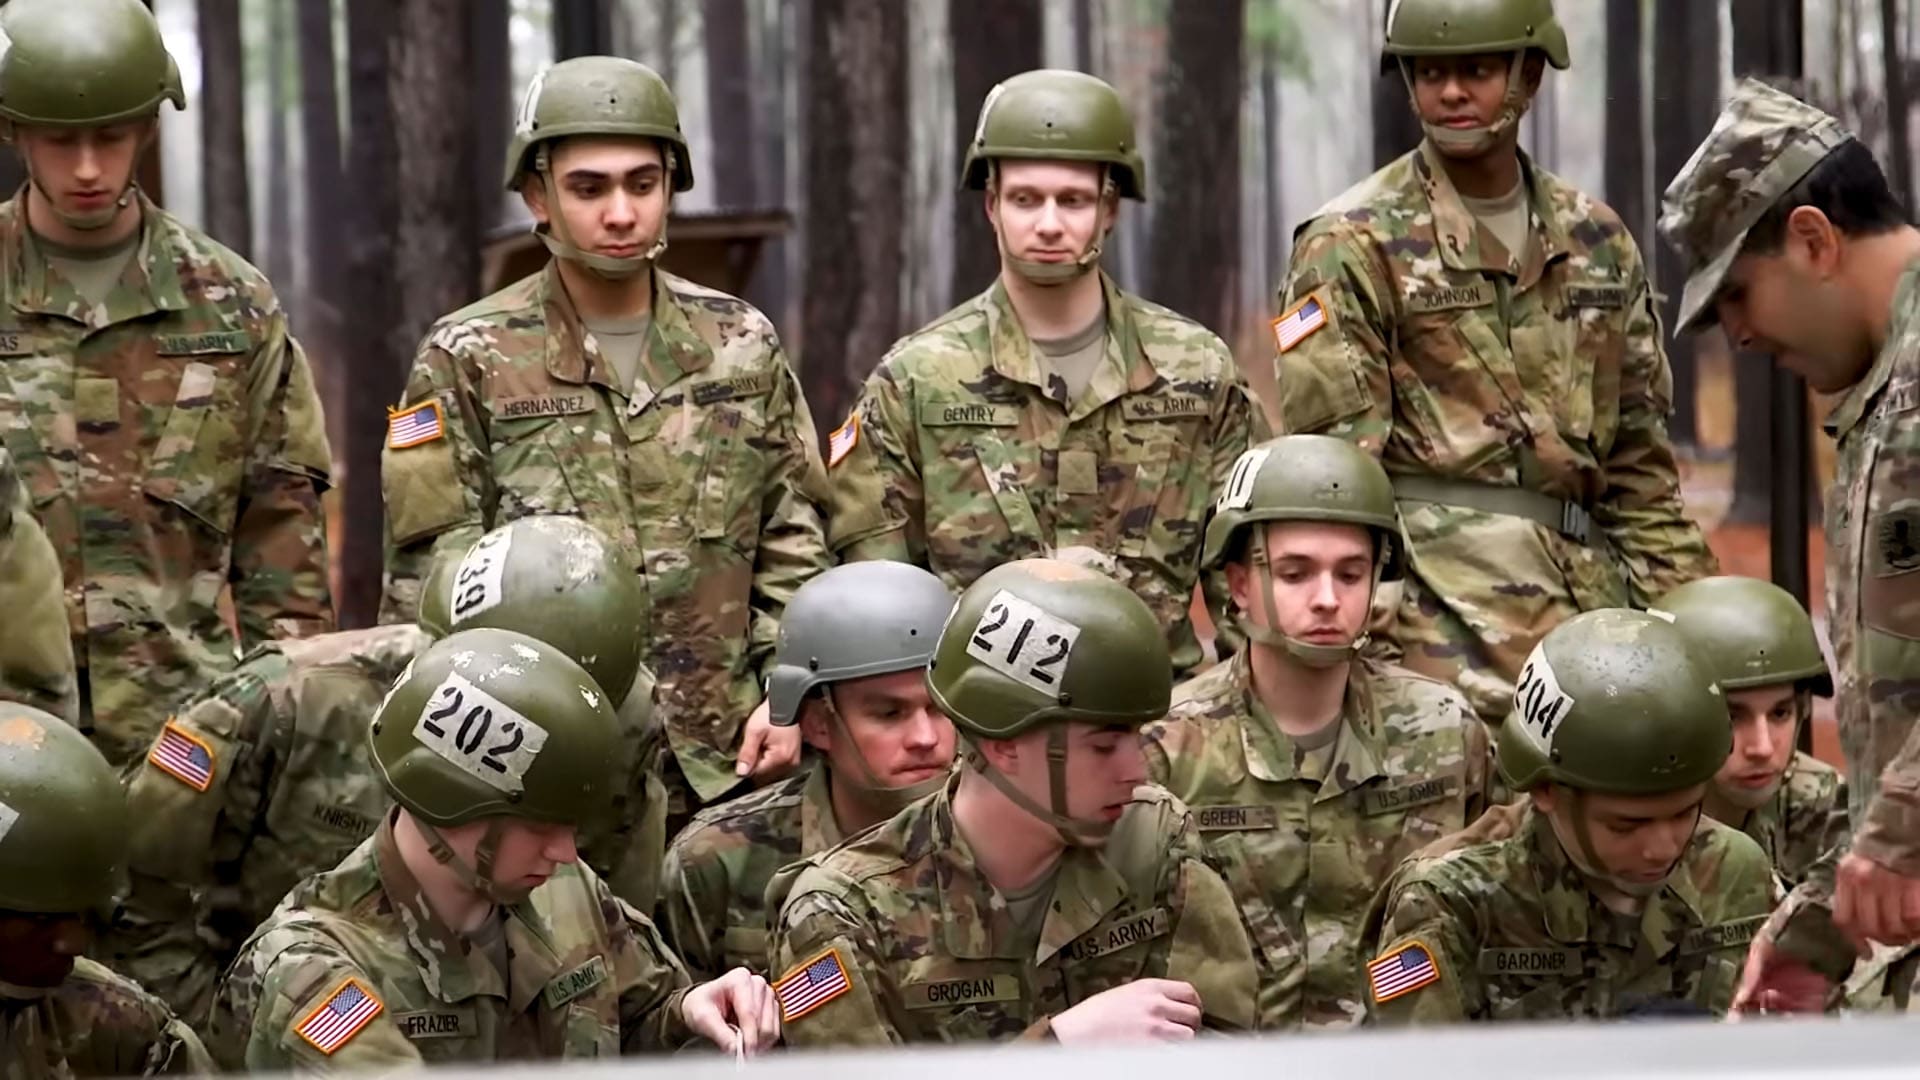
963	453
36	653
96	1023
706	471
1805	819
588	977
713	908
1510	931
1304	855
261	781
1873	590
172	445
927	944
1448	356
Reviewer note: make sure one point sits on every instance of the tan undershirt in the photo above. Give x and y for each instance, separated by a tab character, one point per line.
1506	216
1075	357
1313	754
1027	909
623	342
93	272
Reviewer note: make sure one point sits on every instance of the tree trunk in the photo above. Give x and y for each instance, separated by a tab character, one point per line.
1396	129
325	191
1625	166
490	104
373	354
669	16
1271	104
1083	35
1685	93
992	40
856	183
581	28
730	104
772	91
279	263
227	203
1898	144
1196	236
438	263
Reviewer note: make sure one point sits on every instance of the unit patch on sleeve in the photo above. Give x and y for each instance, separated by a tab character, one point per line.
811	985
1402	971
844	439
183	757
410	427
339	1018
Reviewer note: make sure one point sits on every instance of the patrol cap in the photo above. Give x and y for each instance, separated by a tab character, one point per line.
1764	143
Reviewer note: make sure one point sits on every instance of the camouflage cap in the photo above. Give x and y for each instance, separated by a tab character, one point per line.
1764	143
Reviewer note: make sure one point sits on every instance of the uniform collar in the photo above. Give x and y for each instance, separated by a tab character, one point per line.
1857	399
1271	754
150	284
674	348
976	923
1126	368
819	829
1467	245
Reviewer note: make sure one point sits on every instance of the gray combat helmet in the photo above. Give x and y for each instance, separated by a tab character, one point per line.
853	622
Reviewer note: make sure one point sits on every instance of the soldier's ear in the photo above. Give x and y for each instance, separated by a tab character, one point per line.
1002	754
1240	584
813	724
534	194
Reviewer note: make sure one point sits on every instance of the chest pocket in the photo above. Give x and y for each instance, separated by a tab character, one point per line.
196	462
978	464
1450	326
1158	443
530	464
1587	403
1266	868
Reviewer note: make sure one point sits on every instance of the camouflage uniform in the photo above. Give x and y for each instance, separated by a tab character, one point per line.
1304	854
925	940
1519	399
289	794
713	890
36	653
1517	935
172	444
96	1023
967	454
588	976
1804	820
702	472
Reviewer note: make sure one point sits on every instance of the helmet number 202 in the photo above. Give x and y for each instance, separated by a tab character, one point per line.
1021	641
480	734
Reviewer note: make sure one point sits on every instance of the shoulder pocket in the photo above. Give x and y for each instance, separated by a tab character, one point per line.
175	792
422	489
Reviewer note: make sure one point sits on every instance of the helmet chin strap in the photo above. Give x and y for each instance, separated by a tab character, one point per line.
1075	831
554	232
1305	653
1053	274
93	220
884	799
1474	141
479	876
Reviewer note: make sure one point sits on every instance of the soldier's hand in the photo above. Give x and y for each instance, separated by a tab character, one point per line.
1872	903
738	1005
1776	982
1144	1009
767	753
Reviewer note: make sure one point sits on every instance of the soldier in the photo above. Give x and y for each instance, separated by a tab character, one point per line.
660	411
63	848
36	652
165	426
1040	892
851	671
1758	644
265	779
1053	413
1312	772
1615	889
465	930
1797	247
1486	330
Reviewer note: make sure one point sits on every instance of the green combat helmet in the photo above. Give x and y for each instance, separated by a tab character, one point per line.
1303	478
1044	643
1748	633
1417	28
595	95
854	622
1055	115
550	577
490	724
63	818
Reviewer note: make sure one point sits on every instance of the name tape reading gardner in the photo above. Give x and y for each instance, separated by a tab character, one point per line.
1239	490
477	584
1022	642
478	732
1538	702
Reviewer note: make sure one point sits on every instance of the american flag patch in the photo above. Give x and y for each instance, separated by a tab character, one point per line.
411	427
810	986
1401	971
182	757
340	1017
843	440
1297	325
